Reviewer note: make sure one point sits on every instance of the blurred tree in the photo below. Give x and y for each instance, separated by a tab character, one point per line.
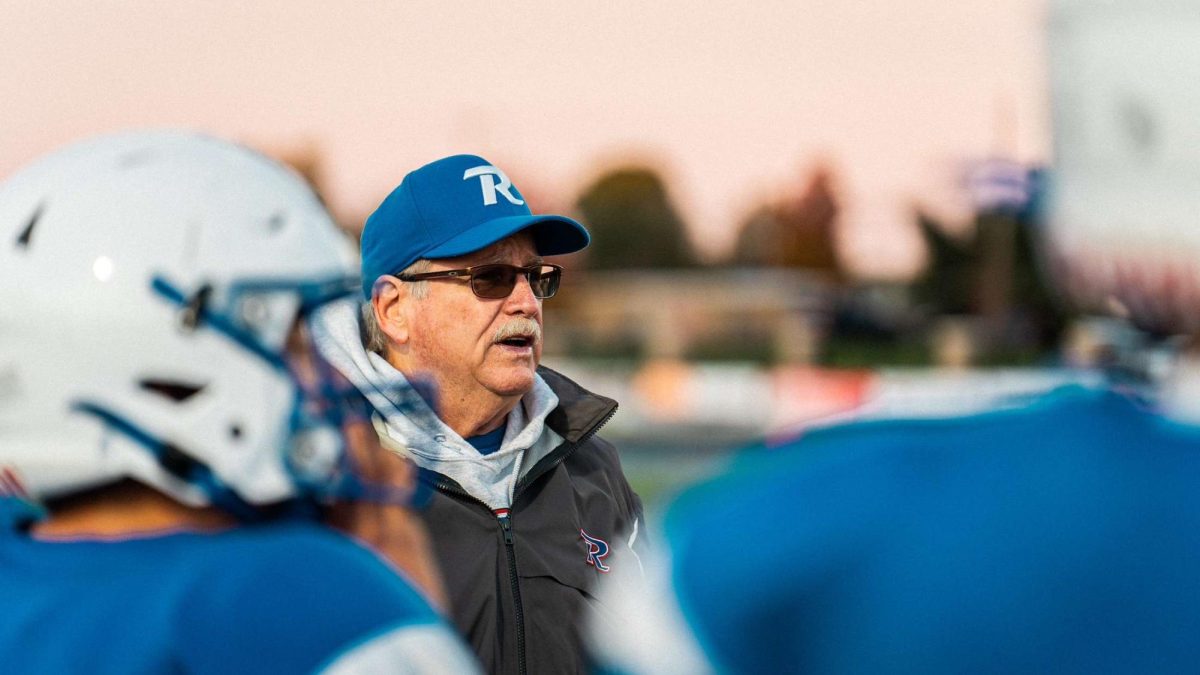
633	222
994	273
796	232
306	158
948	284
758	234
1032	290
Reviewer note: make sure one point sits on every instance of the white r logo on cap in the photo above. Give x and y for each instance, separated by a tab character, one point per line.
487	176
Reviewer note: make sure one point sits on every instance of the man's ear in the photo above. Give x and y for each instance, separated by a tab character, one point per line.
387	301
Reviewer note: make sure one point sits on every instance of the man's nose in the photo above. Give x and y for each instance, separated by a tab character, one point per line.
522	298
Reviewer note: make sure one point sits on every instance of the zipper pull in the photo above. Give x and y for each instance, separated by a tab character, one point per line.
505	525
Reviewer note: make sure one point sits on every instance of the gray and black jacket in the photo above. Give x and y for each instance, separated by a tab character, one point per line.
519	582
522	535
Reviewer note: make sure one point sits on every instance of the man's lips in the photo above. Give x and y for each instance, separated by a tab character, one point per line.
518	341
518	336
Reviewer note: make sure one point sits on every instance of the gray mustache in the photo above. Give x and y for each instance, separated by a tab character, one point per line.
519	328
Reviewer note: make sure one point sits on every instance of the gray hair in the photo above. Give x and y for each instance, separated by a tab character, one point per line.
373	335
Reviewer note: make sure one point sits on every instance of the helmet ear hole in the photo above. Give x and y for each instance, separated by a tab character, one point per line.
235	431
172	390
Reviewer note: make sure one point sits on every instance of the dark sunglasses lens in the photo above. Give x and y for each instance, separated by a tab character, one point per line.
493	281
545	281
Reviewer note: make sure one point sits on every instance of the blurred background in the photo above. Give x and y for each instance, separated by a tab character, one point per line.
801	211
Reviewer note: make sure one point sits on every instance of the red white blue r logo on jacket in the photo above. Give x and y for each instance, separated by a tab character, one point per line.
597	550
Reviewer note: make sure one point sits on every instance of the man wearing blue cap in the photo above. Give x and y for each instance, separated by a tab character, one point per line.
528	501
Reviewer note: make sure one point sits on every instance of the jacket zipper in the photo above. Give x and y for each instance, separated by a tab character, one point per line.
504	516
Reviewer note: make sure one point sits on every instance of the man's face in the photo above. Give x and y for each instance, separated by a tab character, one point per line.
453	334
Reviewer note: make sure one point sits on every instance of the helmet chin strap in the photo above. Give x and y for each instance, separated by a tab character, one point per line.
348	485
176	462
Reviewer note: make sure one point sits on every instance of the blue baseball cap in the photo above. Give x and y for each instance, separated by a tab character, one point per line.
452	207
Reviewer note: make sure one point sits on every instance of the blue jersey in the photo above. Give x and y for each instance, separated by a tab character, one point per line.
1060	538
281	598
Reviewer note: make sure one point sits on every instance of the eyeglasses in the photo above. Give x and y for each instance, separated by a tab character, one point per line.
493	282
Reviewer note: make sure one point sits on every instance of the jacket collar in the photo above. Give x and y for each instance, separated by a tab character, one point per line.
579	411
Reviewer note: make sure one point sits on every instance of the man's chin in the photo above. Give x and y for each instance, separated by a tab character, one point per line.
514	382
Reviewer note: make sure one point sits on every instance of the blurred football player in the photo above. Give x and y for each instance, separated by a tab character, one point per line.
169	443
1059	537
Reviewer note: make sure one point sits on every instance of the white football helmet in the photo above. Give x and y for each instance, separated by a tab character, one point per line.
148	284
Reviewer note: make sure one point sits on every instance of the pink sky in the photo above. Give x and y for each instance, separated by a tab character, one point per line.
734	104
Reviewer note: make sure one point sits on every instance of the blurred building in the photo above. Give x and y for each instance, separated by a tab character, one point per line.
754	314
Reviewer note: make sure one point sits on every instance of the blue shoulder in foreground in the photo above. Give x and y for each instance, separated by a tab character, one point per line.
1060	538
286	598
